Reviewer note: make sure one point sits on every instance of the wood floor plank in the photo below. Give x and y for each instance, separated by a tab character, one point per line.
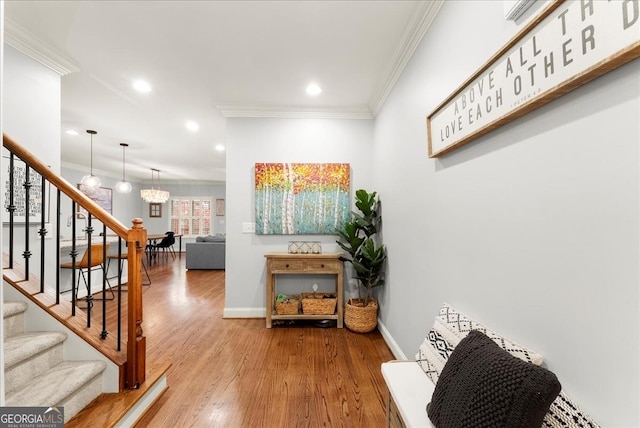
235	373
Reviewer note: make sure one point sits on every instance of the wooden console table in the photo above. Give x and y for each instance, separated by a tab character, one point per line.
303	264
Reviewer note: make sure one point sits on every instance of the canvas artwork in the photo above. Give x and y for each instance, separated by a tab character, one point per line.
101	196
301	198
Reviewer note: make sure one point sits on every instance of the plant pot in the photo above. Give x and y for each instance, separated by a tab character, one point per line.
359	318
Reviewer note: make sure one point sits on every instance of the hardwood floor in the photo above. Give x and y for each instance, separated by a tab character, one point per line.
237	373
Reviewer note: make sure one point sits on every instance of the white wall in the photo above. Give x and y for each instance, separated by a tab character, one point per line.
31	116
30	100
279	140
532	229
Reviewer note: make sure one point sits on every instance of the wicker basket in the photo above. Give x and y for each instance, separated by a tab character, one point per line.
291	306
319	303
361	319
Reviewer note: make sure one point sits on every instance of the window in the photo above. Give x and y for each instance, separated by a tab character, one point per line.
191	216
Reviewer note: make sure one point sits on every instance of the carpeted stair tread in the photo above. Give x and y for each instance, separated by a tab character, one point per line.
13	308
58	383
13	316
26	345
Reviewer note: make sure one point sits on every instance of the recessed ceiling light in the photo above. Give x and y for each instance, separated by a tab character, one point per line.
192	126
142	86
220	147
313	89
71	132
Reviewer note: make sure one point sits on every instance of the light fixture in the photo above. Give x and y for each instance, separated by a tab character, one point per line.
192	126
314	89
123	186
154	195
142	86
91	182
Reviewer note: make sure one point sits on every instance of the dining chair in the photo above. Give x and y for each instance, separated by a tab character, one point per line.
123	258
166	245
95	252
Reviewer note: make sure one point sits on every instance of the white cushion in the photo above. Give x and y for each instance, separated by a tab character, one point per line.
411	390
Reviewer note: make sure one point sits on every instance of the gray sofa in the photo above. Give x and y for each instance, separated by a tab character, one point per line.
208	252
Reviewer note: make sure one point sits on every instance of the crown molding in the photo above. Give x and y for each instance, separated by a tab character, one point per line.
26	42
228	110
413	34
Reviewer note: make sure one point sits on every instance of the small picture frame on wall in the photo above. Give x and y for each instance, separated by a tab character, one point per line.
220	207
155	210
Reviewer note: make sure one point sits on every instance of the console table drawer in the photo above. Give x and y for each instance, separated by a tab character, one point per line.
287	265
321	265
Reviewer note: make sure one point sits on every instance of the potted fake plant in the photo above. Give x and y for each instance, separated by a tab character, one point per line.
360	240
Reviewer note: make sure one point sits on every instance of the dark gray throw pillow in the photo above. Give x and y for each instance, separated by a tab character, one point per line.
483	386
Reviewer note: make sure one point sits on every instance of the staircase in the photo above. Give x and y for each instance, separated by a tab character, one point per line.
35	372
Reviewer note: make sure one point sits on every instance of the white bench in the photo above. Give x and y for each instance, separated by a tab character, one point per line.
411	383
409	392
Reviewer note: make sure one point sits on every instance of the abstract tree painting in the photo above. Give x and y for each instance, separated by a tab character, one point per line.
301	198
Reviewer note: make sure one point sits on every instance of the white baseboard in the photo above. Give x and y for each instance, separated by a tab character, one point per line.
395	349
244	313
139	409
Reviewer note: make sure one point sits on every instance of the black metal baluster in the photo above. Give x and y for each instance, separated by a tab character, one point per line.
42	232
73	254
11	208
119	303
104	333
59	213
89	232
26	254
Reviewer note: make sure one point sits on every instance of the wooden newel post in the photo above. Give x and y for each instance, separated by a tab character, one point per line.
136	341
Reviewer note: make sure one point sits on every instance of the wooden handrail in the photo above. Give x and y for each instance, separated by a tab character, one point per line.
136	239
64	186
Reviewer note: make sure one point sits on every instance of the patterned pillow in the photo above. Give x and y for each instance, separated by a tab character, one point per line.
483	386
449	328
565	413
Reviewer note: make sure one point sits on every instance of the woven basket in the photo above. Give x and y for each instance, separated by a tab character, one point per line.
319	303
288	307
361	319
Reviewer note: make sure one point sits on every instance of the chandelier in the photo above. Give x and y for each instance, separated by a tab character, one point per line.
154	195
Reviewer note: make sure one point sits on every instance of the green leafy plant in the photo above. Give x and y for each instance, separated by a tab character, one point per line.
358	238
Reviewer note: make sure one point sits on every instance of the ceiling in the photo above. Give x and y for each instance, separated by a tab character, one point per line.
206	61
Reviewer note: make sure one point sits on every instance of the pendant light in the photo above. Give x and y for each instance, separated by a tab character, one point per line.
154	195
123	186
91	182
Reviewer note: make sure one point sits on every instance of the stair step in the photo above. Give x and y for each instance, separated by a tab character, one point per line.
71	384
13	315
30	354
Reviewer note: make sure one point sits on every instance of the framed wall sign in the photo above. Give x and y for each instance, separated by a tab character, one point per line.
155	210
569	44
39	198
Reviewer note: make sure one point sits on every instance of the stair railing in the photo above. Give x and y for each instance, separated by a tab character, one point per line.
135	239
